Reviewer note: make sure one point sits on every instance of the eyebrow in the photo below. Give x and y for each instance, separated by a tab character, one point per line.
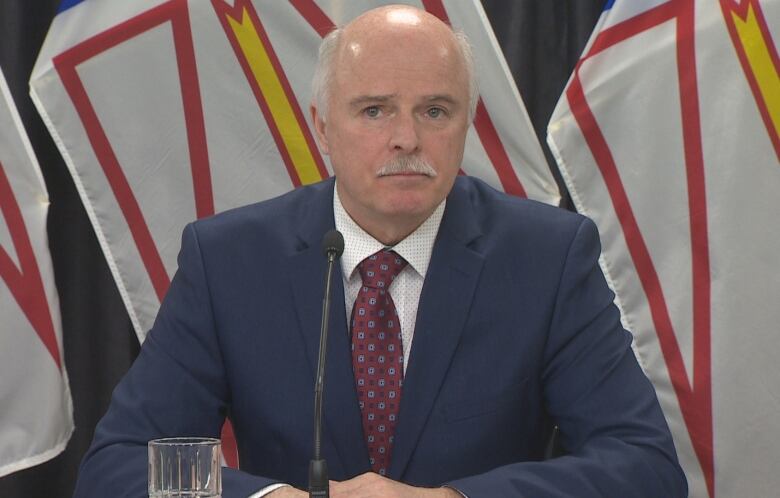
370	99
442	98
374	99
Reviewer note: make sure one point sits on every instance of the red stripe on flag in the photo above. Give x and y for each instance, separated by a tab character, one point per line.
229	445
193	112
496	153
436	7
316	18
638	24
695	398
700	427
26	285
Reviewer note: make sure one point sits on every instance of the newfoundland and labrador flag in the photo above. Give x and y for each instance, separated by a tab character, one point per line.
170	110
36	415
667	136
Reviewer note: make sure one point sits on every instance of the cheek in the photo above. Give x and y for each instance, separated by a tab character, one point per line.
351	162
447	150
363	151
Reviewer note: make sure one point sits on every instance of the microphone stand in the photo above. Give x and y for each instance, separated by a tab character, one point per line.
333	245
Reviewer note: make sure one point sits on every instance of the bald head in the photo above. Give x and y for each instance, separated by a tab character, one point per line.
400	27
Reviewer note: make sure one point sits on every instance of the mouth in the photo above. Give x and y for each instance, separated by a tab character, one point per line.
404	173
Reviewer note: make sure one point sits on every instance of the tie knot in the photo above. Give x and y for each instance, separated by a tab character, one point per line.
380	269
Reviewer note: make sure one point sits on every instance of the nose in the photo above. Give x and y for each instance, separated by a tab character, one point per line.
404	137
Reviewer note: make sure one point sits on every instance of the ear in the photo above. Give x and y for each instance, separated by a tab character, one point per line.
319	128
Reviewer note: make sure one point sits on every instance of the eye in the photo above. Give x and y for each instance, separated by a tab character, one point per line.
372	111
436	112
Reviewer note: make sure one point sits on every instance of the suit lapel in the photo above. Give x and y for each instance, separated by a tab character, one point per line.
446	297
341	414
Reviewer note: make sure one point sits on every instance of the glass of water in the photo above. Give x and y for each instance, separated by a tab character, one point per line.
185	467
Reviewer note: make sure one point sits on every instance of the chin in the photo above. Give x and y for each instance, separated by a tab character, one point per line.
408	208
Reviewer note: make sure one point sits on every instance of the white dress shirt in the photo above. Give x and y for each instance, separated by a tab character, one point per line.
405	290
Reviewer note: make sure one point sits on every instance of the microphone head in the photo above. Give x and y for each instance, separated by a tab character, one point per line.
333	244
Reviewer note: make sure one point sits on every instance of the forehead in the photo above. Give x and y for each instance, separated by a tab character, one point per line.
400	60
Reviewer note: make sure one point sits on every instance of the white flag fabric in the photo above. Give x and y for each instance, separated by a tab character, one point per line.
667	136
166	111
36	414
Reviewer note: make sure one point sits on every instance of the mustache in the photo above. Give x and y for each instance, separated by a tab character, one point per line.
407	164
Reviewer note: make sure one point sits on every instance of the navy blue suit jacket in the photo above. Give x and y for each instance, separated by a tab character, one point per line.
516	332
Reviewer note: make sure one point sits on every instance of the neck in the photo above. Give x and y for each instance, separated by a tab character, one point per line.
389	231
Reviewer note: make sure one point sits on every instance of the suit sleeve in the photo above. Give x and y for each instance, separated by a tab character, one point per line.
616	438
176	387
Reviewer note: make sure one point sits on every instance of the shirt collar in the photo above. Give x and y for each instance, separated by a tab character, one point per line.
416	248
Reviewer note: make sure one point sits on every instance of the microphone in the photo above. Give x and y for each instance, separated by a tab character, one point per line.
333	247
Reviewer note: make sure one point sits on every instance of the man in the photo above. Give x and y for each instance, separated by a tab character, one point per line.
507	325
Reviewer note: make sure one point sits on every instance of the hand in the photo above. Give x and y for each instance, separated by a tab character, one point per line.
372	485
287	492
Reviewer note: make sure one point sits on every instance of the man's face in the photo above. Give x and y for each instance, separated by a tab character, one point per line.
396	95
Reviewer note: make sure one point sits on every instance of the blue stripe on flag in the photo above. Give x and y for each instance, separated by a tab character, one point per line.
609	4
66	4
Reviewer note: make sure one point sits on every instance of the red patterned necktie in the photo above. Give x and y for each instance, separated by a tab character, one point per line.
377	355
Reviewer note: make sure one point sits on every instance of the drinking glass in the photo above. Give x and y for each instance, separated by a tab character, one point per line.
185	467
